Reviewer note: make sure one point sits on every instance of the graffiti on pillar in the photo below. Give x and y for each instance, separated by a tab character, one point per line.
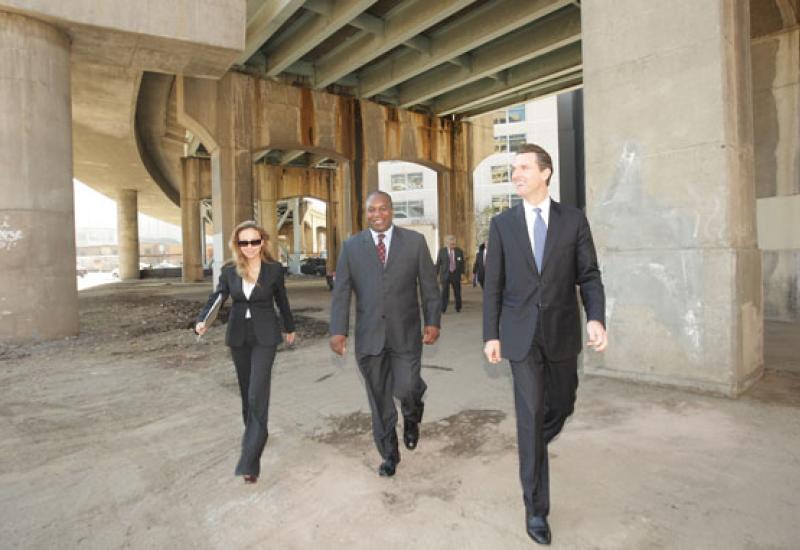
9	237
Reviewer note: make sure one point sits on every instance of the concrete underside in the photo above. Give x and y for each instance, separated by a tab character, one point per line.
116	439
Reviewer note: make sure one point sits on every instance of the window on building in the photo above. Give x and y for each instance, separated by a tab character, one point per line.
500	117
503	201
398	182
501	174
515	141
405	182
516	114
409	209
500	144
414	180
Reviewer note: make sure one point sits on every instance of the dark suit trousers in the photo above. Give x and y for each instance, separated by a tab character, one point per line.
454	280
544	396
387	375
254	370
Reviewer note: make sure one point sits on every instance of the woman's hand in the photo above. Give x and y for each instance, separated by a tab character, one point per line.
290	336
200	328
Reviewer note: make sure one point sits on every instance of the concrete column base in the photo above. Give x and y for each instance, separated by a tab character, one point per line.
38	293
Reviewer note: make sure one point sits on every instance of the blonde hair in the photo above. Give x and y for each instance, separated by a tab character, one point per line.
237	258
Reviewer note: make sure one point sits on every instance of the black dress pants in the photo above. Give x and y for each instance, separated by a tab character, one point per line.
451	279
544	397
387	375
254	371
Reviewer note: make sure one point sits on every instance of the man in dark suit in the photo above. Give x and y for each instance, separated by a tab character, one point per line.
387	267
479	267
539	251
450	267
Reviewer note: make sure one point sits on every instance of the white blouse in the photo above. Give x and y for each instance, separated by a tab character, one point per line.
247	287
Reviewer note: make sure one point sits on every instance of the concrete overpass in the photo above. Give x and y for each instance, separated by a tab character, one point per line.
247	103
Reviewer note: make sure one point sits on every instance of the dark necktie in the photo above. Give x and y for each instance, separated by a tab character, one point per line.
381	248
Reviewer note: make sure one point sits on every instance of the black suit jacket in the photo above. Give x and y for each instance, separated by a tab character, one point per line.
478	268
517	298
268	290
443	263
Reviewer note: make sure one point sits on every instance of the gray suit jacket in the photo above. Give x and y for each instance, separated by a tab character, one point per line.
387	304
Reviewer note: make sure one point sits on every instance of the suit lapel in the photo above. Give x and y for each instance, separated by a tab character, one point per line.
236	286
520	230
261	281
553	231
370	249
395	248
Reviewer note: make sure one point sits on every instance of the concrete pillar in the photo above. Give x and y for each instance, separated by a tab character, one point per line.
297	236
194	171
128	234
776	106
231	163
455	193
268	181
38	294
670	191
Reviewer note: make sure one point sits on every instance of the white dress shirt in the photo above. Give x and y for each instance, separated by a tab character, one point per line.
387	238
530	218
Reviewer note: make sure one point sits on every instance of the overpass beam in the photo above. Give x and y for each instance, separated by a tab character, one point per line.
38	295
524	44
265	20
491	21
310	35
401	26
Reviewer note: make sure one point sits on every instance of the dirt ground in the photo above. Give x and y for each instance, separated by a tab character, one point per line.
127	436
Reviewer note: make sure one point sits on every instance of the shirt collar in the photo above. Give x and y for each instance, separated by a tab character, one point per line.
544	205
387	233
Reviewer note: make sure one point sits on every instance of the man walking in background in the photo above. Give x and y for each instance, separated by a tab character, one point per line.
450	267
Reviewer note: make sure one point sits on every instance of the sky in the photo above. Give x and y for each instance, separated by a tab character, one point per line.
95	210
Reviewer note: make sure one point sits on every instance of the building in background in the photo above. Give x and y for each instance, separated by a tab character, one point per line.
414	196
533	122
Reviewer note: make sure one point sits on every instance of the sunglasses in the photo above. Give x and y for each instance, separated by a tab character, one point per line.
254	242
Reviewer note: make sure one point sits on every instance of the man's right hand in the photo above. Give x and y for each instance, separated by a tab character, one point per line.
337	342
200	328
492	351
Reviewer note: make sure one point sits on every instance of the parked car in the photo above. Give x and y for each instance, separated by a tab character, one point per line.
314	266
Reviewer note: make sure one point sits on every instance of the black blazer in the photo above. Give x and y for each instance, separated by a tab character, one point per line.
269	288
516	297
478	268
443	263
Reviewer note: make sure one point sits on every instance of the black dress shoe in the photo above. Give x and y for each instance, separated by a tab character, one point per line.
388	466
249	479
538	529
410	434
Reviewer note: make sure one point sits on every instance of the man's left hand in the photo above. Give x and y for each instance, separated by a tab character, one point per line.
598	339
431	335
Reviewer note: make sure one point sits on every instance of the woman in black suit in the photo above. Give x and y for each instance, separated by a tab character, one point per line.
254	281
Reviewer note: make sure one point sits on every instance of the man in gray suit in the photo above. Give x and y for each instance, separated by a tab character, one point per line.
387	267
